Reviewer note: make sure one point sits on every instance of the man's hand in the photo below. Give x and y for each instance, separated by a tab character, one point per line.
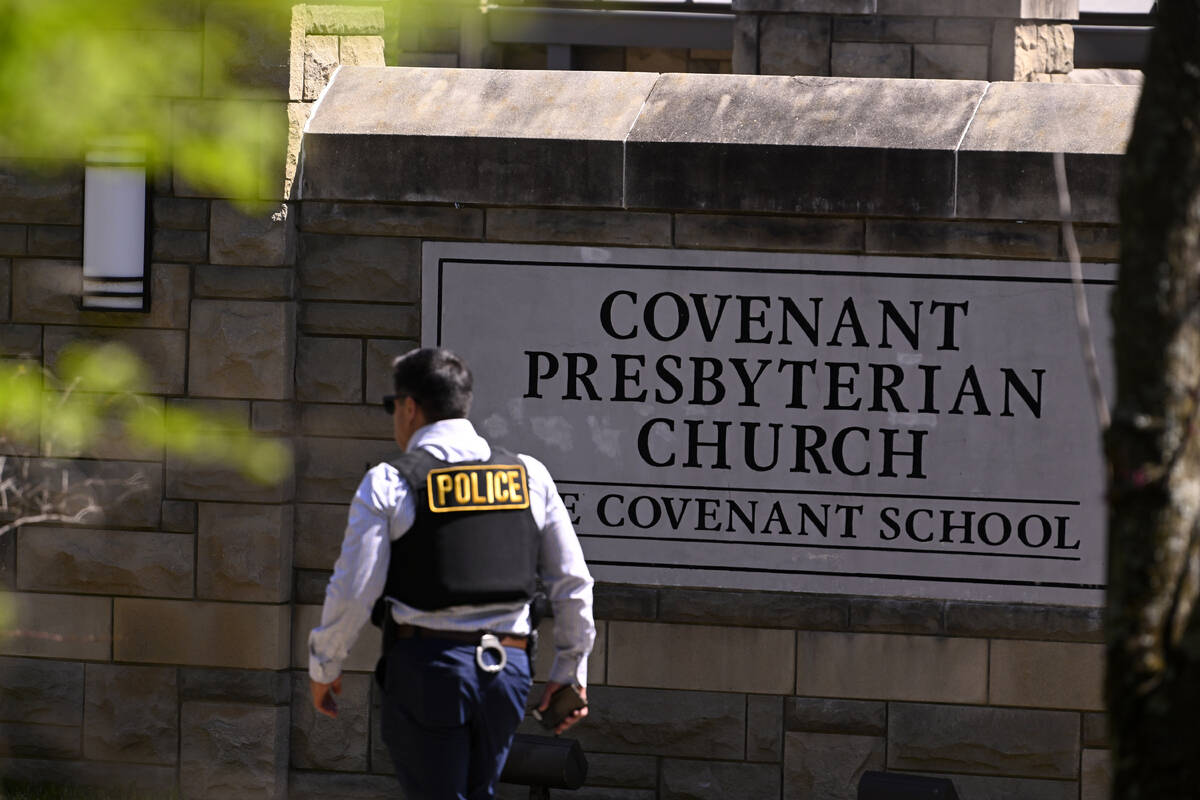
322	696
574	716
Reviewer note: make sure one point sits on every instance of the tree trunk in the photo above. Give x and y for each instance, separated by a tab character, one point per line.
1153	448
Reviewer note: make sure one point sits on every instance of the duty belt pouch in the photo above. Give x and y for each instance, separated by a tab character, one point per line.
381	617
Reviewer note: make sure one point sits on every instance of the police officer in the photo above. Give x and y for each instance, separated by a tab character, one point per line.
453	535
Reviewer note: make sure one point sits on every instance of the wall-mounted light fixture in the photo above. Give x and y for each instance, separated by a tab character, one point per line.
114	227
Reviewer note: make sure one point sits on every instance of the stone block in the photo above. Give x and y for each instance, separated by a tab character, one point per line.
896	615
597	661
178	516
162	352
56	241
622	771
233	751
132	714
259	235
828	766
1095	778
180	213
320	60
318	742
185	247
753	609
745	44
434	222
5	292
1005	161
696	129
1046	675
187	481
823	715
246	283
877	28
273	417
959	30
381	759
362	656
340	20
126	494
702	657
319	531
951	61
568	226
929	668
49	291
40	691
870	60
38	741
361	51
58	626
793	45
154	781
337	786
246	51
680	724
622	601
1095	731
204	634
244	552
983	741
1013	621
378	365
1042	49
366	268
716	780
997	239
329	470
242	348
309	585
263	687
746	232
559	136
105	562
764	729
1016	9
20	341
41	191
357	421
360	319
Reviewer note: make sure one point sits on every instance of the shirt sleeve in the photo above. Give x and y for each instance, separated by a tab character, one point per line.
568	583
359	574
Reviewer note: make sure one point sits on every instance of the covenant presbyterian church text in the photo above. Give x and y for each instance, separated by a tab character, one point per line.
904	387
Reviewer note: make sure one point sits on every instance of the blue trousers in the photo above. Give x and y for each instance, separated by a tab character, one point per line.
448	724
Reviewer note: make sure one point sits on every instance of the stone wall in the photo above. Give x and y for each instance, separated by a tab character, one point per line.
167	648
1021	40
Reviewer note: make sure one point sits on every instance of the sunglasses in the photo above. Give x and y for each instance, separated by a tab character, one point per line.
389	402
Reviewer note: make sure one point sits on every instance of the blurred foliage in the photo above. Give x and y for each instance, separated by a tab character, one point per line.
77	72
97	395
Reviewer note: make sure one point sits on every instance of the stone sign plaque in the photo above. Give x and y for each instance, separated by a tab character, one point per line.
805	422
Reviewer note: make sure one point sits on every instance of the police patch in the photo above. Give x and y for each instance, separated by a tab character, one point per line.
487	487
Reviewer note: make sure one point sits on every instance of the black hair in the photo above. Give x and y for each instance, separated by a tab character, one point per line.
437	380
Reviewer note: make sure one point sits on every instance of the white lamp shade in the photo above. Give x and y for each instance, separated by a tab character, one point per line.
114	230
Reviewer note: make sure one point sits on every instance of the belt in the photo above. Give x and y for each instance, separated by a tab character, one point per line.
471	637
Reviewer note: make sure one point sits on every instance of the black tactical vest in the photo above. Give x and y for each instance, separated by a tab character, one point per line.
474	540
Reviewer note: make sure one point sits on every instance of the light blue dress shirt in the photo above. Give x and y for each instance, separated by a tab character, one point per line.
383	509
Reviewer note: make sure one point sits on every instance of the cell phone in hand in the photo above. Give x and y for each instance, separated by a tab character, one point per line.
562	704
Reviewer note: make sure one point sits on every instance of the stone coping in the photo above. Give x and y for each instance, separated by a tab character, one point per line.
749	143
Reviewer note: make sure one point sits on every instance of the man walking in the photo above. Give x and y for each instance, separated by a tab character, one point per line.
454	535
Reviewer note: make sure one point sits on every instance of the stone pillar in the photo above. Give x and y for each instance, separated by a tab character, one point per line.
998	40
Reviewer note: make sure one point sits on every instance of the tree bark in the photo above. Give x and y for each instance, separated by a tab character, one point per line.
1152	446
